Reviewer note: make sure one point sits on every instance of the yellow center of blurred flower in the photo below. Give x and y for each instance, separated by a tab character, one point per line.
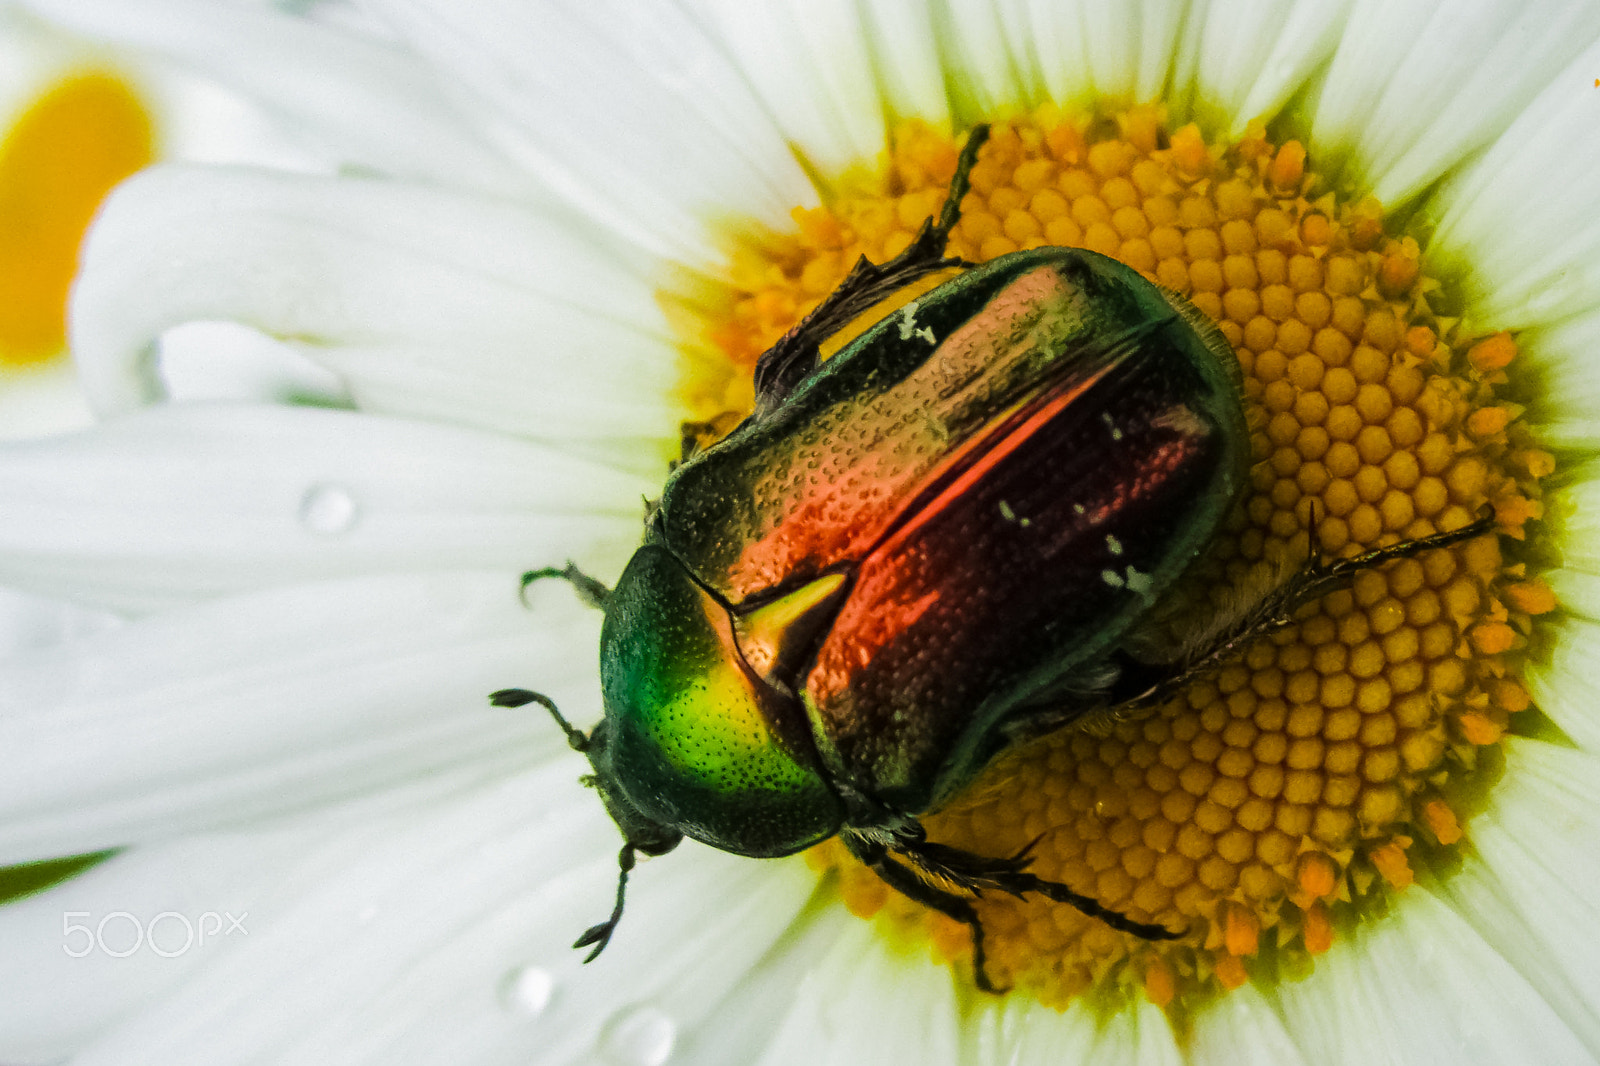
57	163
1288	793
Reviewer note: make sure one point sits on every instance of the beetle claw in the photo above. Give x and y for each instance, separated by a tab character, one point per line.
599	936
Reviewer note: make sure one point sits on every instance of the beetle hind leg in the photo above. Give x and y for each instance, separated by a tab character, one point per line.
787	363
1144	685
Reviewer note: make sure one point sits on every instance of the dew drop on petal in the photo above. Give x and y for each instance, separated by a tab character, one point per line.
328	510
638	1036
527	990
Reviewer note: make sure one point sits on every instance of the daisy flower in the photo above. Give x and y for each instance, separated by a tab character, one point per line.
546	236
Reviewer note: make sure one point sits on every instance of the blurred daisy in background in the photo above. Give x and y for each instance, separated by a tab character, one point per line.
342	399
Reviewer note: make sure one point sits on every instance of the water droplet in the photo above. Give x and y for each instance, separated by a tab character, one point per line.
528	990
638	1036
328	509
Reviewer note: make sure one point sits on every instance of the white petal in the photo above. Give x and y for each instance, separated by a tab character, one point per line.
864	1001
194	500
1566	357
1526	884
1023	1033
1247	57
1242	1029
628	110
1118	53
1415	88
426	303
361	101
279	701
980	46
911	74
1420	986
1565	687
410	940
1522	216
34	402
1578	505
62	988
29	623
809	64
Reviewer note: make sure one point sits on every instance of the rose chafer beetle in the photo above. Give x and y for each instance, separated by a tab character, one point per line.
942	542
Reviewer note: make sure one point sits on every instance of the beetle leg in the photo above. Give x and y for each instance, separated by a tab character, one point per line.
590	591
521	697
976	872
600	935
903	880
1146	685
787	363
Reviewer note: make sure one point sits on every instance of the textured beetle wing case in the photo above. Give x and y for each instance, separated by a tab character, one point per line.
1011	470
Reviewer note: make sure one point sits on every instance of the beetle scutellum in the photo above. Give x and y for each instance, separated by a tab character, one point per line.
942	542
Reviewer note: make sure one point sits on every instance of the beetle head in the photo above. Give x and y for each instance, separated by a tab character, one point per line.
694	740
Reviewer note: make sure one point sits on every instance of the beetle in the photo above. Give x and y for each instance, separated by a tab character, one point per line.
946	540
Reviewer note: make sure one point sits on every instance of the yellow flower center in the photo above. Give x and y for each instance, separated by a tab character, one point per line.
1294	789
57	163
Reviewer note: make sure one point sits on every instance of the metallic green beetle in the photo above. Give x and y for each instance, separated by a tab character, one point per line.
934	546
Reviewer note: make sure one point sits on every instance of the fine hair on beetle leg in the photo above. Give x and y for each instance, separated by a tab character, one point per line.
976	872
902	879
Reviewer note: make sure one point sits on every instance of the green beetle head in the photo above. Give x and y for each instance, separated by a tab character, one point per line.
697	740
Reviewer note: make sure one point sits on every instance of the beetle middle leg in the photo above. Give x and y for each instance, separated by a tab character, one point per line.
903	880
973	873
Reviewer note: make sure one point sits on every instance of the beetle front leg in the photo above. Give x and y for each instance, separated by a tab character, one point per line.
908	884
589	590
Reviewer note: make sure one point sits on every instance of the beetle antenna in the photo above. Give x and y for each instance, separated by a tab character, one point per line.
589	590
600	935
521	697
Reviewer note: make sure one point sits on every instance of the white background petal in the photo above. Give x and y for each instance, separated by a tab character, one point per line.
1526	885
1522	215
1419	987
808	62
424	302
865	1001
353	100
1415	87
1120	53
192	500
60	993
280	701
1245	58
1023	1033
1242	1029
402	940
1565	357
910	71
628	110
